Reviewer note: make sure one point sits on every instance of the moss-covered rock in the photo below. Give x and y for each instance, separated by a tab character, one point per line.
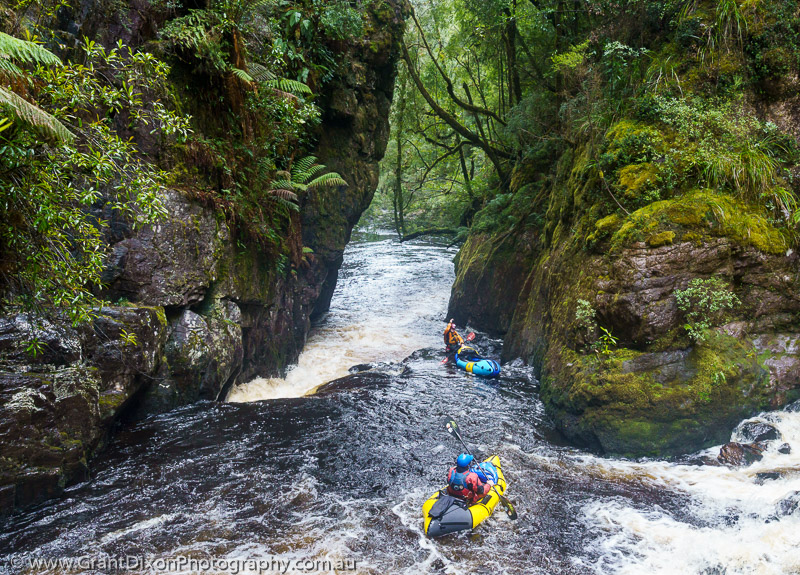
657	393
655	404
703	213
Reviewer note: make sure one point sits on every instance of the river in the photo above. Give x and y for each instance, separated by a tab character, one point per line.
278	473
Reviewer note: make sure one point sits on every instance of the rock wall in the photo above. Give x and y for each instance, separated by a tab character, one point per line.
655	392
194	311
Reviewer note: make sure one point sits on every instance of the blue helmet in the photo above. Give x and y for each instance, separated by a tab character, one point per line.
464	460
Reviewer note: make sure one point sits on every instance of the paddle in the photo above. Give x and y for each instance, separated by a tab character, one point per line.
452	429
470	337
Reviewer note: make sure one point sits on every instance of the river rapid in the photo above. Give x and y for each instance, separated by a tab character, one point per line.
278	473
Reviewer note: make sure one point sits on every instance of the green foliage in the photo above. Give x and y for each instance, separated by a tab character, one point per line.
585	316
14	51
305	175
704	303
55	201
569	61
606	342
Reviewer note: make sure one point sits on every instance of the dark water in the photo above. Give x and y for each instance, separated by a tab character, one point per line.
341	476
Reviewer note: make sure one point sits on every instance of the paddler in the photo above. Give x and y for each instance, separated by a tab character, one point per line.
465	483
452	341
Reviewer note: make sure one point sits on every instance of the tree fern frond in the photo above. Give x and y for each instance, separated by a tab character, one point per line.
283	193
301	167
327	180
27	52
34	116
285	184
261	73
287	85
9	69
313	171
241	74
287	203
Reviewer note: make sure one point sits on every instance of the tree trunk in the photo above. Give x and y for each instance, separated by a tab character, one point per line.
399	204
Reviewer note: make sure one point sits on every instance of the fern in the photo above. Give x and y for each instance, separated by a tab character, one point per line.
26	52
301	168
9	69
284	194
327	180
241	74
34	116
301	179
287	85
261	73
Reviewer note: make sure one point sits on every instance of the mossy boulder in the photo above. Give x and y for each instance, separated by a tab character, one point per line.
656	392
655	404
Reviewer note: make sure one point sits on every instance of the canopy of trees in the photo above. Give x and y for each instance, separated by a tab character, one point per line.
491	94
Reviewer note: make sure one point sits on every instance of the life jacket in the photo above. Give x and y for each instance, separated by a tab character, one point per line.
465	484
451	337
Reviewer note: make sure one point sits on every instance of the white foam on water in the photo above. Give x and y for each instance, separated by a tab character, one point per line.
390	301
730	525
327	356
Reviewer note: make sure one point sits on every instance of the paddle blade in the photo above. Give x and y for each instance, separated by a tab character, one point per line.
445	360
471	336
510	511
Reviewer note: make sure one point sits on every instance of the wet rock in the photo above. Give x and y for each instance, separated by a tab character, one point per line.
739	454
390	368
60	343
699	460
171	263
203	354
53	417
789	505
360	367
362	380
786	449
761	478
756	431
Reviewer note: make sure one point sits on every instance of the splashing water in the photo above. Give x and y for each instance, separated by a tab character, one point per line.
731	523
388	303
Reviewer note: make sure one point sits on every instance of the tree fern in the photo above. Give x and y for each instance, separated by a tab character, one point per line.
302	179
284	194
300	170
287	85
327	180
260	73
9	69
34	116
23	111
241	74
26	52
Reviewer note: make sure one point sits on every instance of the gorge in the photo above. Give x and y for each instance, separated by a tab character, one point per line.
218	339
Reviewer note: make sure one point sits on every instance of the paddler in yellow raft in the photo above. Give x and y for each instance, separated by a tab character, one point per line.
472	493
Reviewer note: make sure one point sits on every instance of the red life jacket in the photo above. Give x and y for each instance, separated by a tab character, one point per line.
466	485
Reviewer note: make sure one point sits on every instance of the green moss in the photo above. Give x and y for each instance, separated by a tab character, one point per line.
632	410
636	178
662	239
702	214
110	403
